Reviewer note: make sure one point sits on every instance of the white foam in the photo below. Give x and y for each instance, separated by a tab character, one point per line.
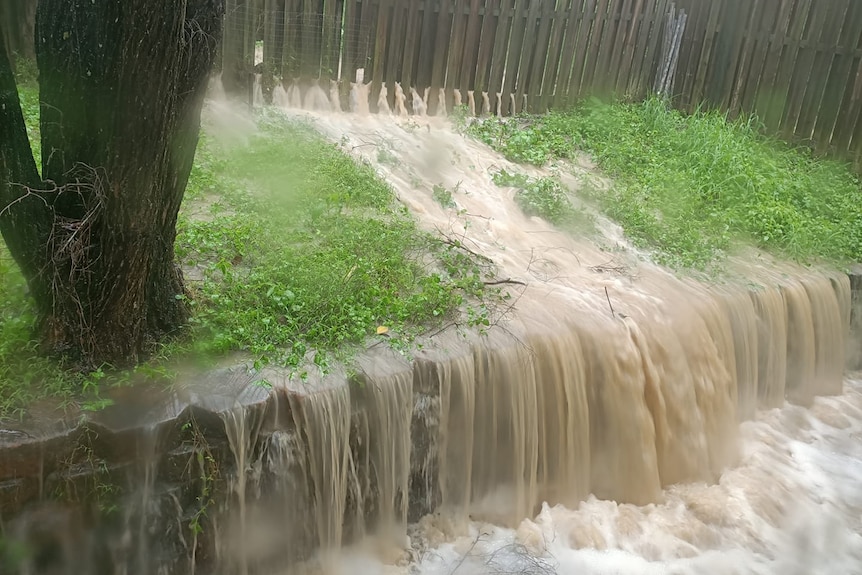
792	507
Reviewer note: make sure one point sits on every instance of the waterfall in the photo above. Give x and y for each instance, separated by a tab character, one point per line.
257	96
400	101
294	96
316	100
603	392
383	102
359	98
486	104
441	103
619	408
419	104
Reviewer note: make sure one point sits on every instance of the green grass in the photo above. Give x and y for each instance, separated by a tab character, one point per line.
292	250
29	96
24	375
314	252
543	197
692	188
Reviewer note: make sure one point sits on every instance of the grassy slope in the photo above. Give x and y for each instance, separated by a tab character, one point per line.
294	246
692	187
303	248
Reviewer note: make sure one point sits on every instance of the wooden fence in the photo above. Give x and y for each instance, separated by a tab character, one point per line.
547	53
797	64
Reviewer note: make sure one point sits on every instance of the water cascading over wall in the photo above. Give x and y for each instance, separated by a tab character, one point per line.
549	407
612	405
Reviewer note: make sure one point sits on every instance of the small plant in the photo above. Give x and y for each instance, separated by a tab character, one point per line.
514	180
443	197
386	157
203	469
528	139
26	71
460	117
543	197
410	126
87	478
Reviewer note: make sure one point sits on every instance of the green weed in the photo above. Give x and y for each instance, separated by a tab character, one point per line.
460	117
543	197
26	71
547	198
203	471
443	196
693	187
23	373
316	256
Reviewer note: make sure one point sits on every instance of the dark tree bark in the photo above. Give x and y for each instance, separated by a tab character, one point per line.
23	214
121	85
17	19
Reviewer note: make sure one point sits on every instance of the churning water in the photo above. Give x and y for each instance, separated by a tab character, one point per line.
792	506
599	430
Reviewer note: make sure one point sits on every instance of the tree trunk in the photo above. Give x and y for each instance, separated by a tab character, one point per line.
122	84
17	19
24	214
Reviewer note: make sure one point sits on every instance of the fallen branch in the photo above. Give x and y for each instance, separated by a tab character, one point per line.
609	266
457	244
454	324
613	315
505	281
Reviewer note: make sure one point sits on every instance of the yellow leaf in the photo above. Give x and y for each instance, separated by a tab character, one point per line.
381	329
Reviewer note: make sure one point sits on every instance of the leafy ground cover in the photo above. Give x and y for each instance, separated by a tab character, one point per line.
292	250
306	249
692	188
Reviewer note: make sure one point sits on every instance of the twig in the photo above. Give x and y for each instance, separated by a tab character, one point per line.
613	315
609	266
467	554
28	192
505	281
444	328
460	245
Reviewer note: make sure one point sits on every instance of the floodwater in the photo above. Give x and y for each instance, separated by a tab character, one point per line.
793	506
599	432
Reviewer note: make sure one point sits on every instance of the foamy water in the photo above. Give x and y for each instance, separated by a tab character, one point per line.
793	506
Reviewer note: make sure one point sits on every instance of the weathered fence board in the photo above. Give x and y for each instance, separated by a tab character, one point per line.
487	44
574	51
796	64
839	87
